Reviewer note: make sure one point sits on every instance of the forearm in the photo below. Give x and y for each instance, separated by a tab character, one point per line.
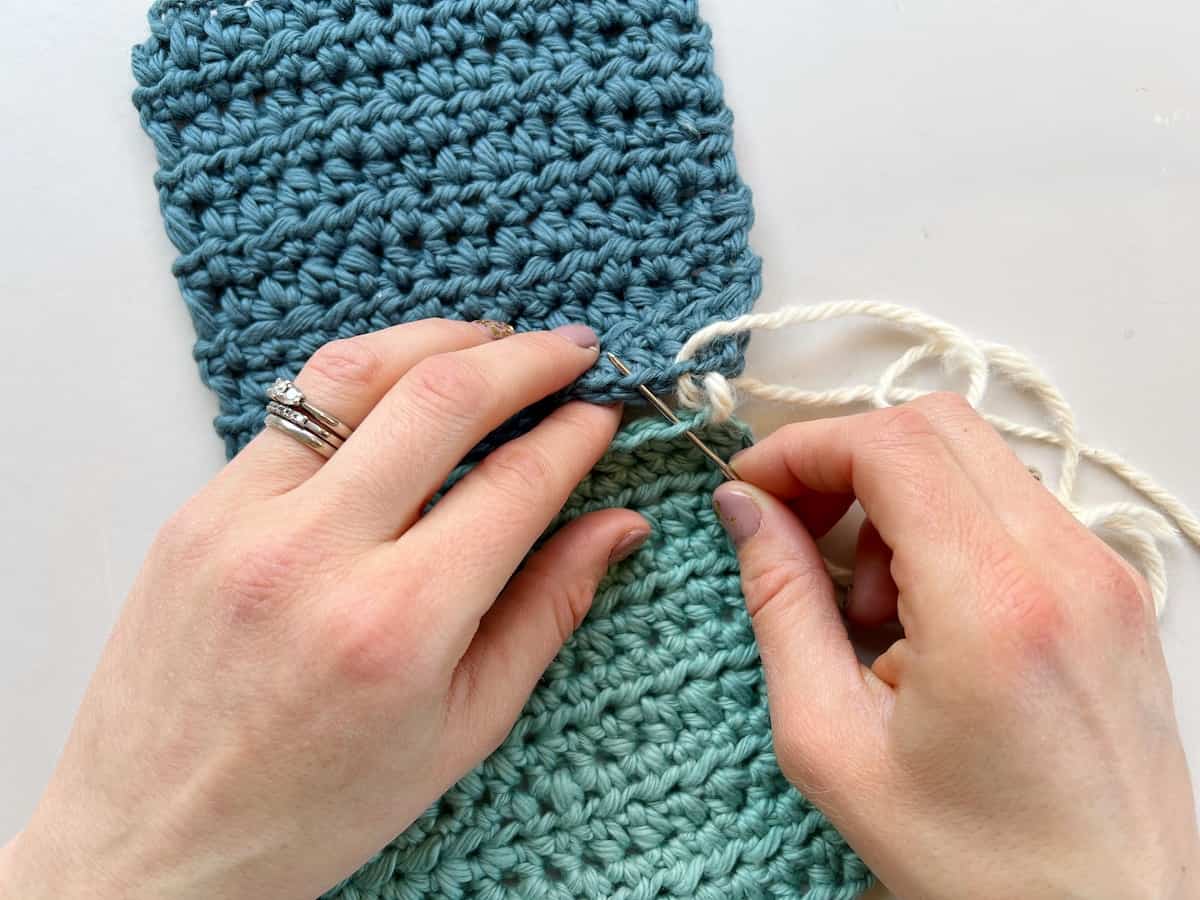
38	867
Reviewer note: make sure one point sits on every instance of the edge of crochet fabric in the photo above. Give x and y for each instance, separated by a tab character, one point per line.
330	167
642	766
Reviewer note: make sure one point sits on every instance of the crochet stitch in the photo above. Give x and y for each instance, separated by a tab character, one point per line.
642	765
331	167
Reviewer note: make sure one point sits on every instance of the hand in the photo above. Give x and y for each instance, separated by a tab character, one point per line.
306	662
1019	740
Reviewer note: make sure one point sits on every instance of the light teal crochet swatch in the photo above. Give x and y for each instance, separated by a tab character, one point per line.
642	765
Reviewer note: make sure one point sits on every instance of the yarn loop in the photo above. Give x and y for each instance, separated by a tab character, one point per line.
1137	531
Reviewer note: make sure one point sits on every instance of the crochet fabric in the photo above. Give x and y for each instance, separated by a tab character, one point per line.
336	166
642	765
330	167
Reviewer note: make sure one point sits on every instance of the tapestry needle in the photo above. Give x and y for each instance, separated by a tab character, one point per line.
670	416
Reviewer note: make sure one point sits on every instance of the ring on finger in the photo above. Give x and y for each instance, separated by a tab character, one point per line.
287	393
300	420
307	438
289	412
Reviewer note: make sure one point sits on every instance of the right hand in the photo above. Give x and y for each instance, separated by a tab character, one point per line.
1020	739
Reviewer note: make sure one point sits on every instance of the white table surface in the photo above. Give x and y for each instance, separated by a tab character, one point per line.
1030	172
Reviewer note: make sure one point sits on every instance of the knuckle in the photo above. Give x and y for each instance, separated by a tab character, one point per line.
810	749
569	600
794	756
1036	615
579	418
789	753
904	426
1139	593
769	585
1123	589
789	435
447	386
442	325
903	439
489	725
445	331
583	427
1021	604
953	415
519	469
349	361
366	645
543	343
944	404
256	580
190	534
907	449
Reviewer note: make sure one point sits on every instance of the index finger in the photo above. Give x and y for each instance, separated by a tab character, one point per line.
910	485
431	418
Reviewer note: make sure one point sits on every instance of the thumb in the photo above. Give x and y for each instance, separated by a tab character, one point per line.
544	602
816	689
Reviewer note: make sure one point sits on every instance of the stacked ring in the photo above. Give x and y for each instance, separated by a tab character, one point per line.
289	412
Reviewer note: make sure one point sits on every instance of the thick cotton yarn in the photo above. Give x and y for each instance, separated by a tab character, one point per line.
330	167
1136	530
642	765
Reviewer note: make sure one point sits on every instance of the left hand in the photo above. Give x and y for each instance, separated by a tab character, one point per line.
306	661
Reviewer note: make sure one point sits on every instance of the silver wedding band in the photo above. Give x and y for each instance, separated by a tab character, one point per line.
289	412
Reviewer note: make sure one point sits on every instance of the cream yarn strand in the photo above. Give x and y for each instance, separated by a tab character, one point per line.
1138	531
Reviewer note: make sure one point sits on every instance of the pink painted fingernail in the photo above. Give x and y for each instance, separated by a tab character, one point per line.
579	335
738	512
628	544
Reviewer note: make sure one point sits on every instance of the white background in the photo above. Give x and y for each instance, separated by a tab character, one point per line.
1030	172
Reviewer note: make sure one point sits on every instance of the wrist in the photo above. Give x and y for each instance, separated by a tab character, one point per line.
34	867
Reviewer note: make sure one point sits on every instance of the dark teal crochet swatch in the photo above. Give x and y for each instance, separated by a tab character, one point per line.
330	167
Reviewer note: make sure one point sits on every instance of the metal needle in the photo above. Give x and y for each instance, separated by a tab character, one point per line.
670	416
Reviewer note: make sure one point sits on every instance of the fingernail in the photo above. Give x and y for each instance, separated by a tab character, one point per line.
627	544
738	513
495	330
579	335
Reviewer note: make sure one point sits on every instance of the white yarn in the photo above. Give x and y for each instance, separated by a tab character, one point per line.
1135	530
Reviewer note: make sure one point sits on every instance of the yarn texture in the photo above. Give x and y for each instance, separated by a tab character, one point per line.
331	167
1139	531
642	765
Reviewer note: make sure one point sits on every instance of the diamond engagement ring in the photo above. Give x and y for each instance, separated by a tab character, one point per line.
290	412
